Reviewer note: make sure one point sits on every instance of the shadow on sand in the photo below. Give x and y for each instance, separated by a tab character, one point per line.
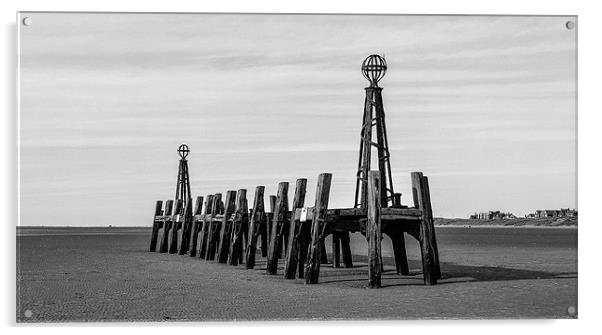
451	273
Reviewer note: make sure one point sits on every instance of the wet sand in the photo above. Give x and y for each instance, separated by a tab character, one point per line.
107	274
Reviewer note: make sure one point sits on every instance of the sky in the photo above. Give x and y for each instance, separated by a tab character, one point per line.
485	106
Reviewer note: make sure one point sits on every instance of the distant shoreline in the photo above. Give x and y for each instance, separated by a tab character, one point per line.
560	222
566	222
503	226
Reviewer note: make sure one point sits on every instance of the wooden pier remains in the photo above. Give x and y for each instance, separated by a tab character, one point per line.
232	235
229	232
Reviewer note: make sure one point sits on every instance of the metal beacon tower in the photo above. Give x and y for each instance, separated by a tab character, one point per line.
374	68
183	184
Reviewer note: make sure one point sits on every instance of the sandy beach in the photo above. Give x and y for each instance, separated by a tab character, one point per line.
107	274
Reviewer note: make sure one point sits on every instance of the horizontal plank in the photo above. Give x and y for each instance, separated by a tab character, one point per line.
333	215
169	218
349	213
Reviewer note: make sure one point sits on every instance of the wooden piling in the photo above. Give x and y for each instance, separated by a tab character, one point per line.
255	222
373	229
263	228
186	228
278	216
272	200
196	226
226	227
312	269
175	226
399	251
336	250
304	242
346	248
241	216
431	222
292	248
212	228
426	237
167	222
156	225
323	255
205	226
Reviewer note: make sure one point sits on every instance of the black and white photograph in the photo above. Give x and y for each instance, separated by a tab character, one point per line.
296	167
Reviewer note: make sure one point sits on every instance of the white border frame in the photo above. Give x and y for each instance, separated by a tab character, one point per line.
589	168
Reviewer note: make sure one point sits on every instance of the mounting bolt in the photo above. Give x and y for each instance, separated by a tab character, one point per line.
570	25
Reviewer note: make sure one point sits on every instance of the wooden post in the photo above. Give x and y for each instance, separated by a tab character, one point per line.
346	247
272	203
272	200
373	233
399	251
264	231
167	222
397	200
304	242
186	228
281	207
323	256
426	246
257	216
312	269
196	226
226	231
241	216
336	250
212	227
176	225
156	224
205	226
431	223
292	249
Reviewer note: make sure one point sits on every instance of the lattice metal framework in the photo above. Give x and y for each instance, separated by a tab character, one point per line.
374	68
183	184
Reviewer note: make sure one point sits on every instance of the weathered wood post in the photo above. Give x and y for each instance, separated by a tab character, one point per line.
399	243
175	226
212	227
292	249
196	226
186	228
269	216
373	232
312	269
278	217
241	216
226	231
399	251
304	242
426	237
205	226
156	226
346	248
431	221
167	222
336	249
273	203
257	217
323	256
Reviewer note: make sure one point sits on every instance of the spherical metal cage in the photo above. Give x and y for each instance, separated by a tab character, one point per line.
374	68
183	150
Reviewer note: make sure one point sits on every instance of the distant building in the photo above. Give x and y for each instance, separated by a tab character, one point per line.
554	213
492	215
